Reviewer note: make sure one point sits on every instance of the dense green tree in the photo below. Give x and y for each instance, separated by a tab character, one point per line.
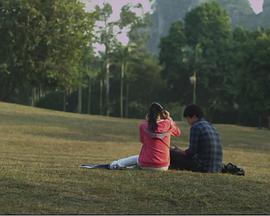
130	53
41	43
88	73
232	69
122	56
106	36
254	77
17	43
193	57
174	71
209	25
145	85
129	22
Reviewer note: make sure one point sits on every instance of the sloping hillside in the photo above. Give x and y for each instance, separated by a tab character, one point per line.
41	150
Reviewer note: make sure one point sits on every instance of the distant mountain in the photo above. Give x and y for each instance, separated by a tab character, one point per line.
263	19
165	12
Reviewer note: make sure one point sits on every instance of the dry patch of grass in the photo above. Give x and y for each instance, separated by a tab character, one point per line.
41	150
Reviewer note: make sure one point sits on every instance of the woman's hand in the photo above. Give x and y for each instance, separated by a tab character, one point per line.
166	114
146	117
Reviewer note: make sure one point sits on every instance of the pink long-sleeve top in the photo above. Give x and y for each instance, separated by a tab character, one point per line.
155	151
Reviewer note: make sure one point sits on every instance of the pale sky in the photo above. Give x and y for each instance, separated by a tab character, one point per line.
257	5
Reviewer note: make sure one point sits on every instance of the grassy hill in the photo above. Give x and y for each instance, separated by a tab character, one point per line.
41	150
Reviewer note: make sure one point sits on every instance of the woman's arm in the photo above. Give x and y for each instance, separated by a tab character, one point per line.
174	129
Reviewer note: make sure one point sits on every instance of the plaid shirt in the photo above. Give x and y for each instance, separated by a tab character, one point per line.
205	147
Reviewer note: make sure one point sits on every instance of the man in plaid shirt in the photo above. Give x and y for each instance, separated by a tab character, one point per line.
204	153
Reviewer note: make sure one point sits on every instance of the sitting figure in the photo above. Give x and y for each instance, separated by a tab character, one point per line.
155	136
204	153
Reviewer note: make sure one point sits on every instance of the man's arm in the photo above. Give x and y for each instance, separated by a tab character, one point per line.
193	141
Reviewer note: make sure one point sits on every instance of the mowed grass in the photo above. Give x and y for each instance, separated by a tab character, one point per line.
41	150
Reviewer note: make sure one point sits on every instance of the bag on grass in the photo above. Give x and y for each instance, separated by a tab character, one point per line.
233	169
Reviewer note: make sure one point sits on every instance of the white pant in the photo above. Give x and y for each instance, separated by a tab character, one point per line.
132	161
125	162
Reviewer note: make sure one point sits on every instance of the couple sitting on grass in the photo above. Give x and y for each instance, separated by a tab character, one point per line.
204	153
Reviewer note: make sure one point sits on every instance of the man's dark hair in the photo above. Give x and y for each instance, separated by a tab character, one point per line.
193	110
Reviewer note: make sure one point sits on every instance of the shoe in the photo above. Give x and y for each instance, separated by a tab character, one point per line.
95	166
233	169
114	166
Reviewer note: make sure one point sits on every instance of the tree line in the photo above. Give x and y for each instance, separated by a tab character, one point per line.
231	64
47	59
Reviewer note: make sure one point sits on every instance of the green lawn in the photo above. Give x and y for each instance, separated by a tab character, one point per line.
41	150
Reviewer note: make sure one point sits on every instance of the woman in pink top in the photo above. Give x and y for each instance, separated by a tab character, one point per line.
155	136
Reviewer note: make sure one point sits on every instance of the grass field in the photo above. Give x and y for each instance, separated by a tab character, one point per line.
41	150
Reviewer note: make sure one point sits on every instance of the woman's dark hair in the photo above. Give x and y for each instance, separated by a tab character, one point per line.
154	111
193	110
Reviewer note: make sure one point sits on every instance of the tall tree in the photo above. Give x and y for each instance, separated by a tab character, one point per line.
253	76
145	83
44	42
209	25
123	56
88	73
171	58
129	22
133	23
107	37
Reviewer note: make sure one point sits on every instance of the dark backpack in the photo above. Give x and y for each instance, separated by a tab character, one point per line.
232	169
